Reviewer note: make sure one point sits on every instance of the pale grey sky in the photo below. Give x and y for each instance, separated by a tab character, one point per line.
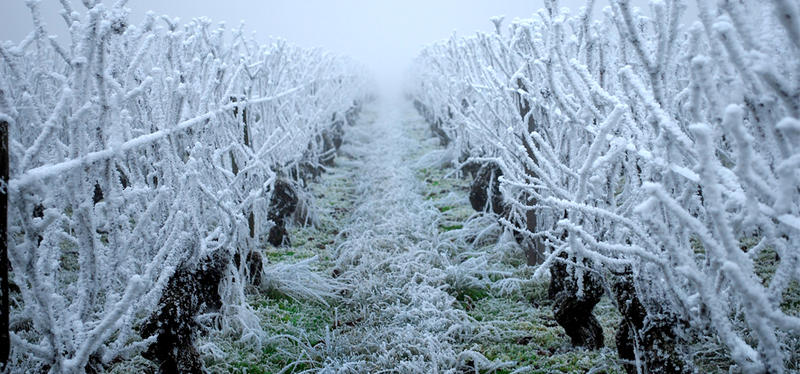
383	34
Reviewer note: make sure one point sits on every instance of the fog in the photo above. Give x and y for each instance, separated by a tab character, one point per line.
384	35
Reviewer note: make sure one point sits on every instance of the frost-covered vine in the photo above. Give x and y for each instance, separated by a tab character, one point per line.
136	149
646	145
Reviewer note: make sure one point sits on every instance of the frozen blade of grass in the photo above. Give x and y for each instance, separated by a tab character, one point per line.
510	286
480	363
298	281
210	349
438	159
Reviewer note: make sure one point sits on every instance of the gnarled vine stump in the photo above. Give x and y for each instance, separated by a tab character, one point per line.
573	311
646	339
191	290
484	192
281	206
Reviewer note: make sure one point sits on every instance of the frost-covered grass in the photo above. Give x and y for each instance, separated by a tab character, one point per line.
533	338
297	328
398	313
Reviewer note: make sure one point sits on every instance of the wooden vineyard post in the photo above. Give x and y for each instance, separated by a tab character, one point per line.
251	218
5	339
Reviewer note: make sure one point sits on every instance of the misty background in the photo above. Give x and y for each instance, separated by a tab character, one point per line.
384	35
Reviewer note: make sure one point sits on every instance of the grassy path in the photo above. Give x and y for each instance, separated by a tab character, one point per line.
399	313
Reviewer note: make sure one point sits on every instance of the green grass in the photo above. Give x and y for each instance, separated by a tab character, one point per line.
446	228
536	340
306	321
